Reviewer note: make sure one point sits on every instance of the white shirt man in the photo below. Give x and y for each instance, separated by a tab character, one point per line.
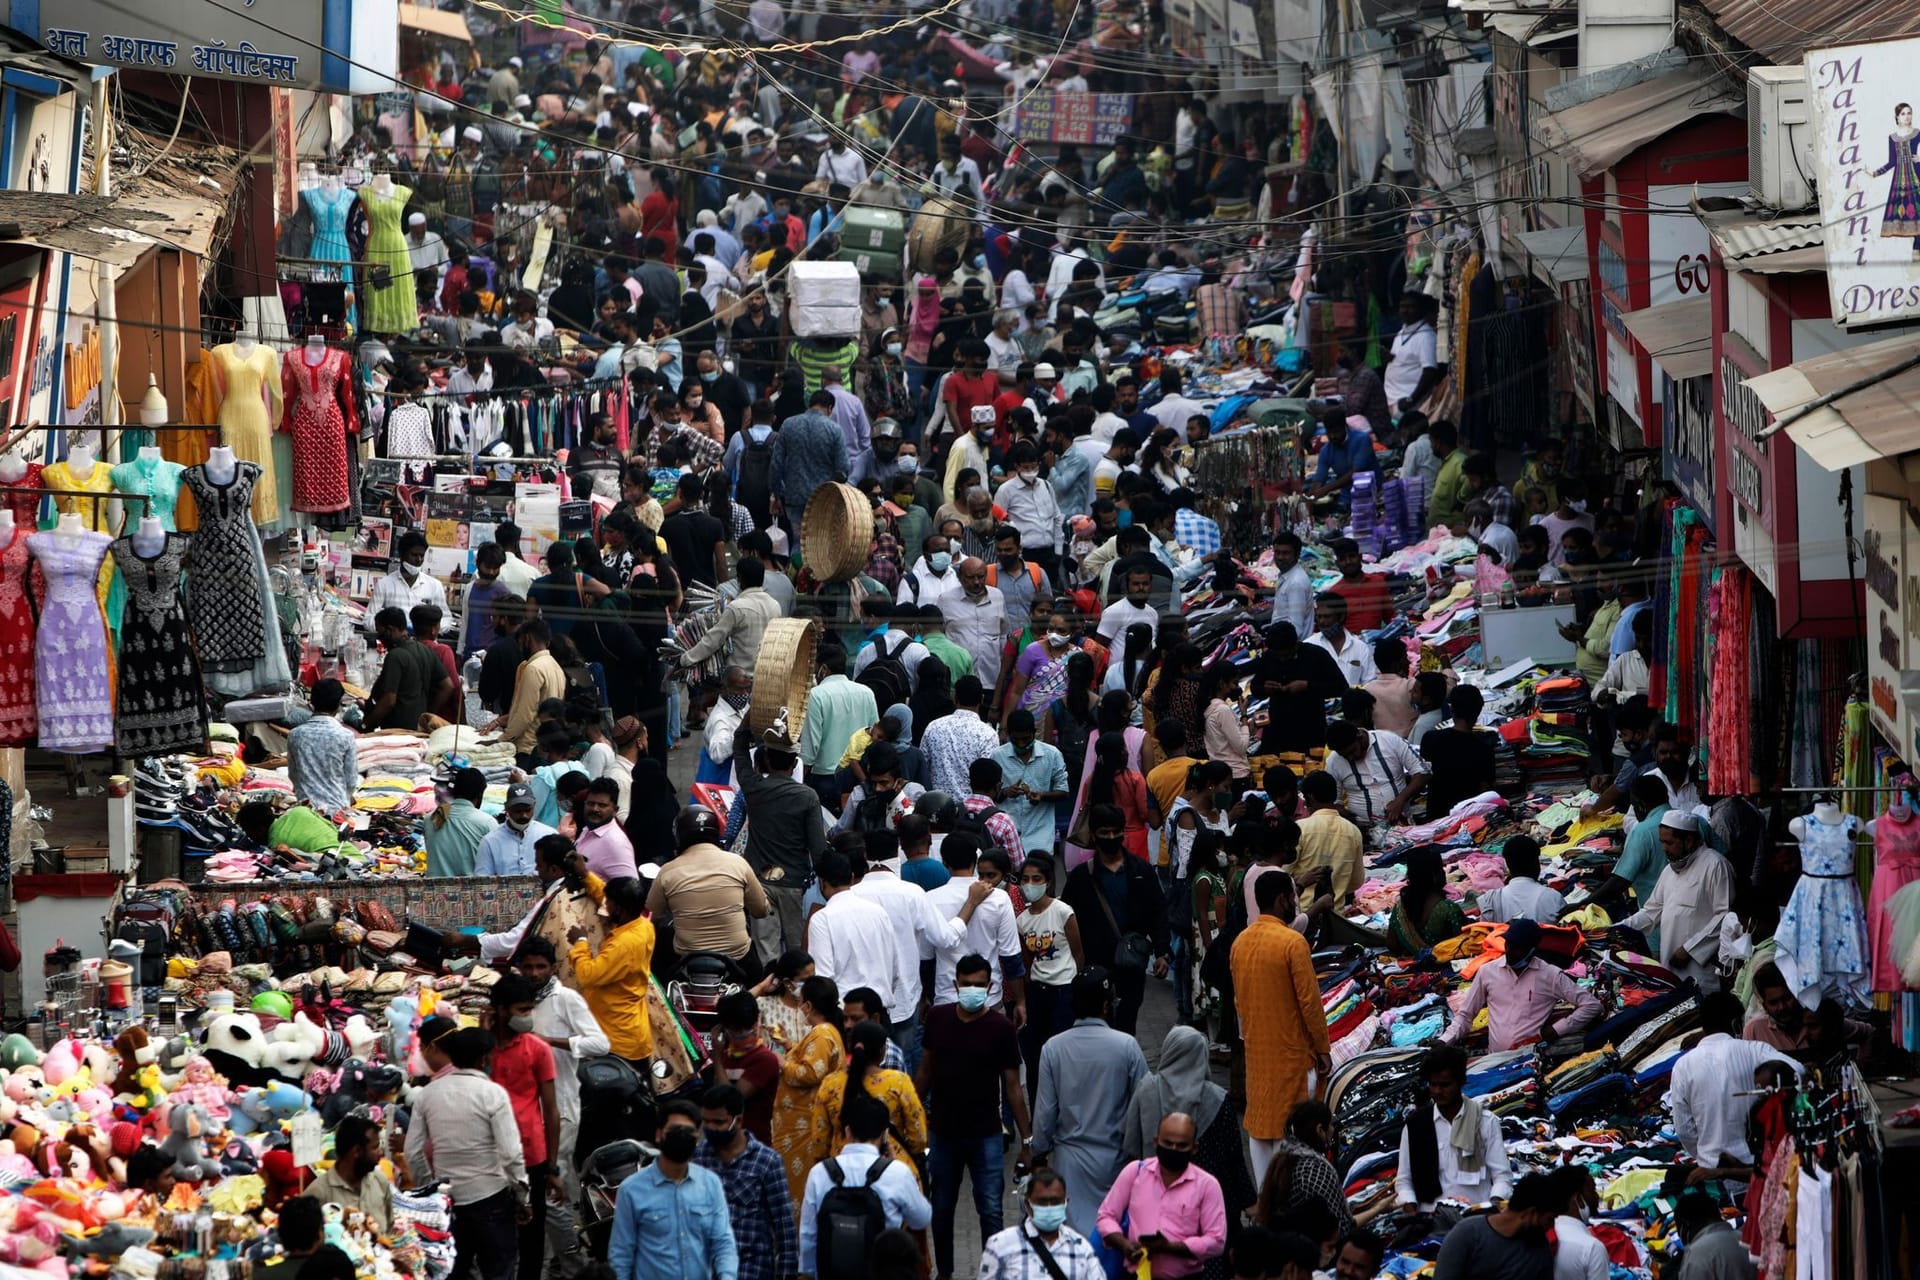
898	644
1367	788
1293	601
426	249
991	933
1060	277
1415	350
923	586
1123	613
395	592
977	624
960	179
898	1190
1522	898
1033	509
1686	905
561	1014
842	164
914	924
1576	1254
1172	412
1492	1180
1354	655
1710	1092
851	941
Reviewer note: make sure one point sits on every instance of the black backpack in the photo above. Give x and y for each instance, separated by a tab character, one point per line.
976	825
754	488
848	1221
886	675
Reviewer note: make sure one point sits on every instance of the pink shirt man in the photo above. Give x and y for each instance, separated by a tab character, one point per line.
608	852
1189	1210
1519	1004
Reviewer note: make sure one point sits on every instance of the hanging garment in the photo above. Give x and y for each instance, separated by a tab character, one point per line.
1821	944
93	513
26	506
159	480
73	677
409	432
18	722
162	708
224	594
251	405
392	309
1896	850
320	417
329	211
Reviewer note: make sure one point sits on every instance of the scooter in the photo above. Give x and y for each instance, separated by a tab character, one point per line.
600	1177
697	987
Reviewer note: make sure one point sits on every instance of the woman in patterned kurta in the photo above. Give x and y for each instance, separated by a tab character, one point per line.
818	1055
906	1118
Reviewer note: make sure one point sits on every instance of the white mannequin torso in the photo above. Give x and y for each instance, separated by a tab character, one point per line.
383	185
221	465
149	453
13	468
316	352
6	522
80	462
244	345
1825	813
150	538
70	526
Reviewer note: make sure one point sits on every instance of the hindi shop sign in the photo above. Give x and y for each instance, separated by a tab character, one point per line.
276	42
1866	158
1090	119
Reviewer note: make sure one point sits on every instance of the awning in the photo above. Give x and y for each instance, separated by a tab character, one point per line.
1598	134
1677	336
440	22
1881	420
116	231
1559	254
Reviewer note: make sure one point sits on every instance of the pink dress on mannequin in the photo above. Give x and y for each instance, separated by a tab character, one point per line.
1896	854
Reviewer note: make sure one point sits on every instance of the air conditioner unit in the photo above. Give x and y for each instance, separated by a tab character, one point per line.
1779	136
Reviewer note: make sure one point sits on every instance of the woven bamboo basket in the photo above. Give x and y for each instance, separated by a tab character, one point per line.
836	536
783	674
941	223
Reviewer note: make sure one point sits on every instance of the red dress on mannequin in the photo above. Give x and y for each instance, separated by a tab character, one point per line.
19	574
322	419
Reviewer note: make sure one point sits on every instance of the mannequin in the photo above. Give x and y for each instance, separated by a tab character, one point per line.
383	183
331	184
80	462
247	377
221	464
13	468
316	350
1821	944
6	524
70	525
150	453
324	423
393	308
72	670
1896	854
150	539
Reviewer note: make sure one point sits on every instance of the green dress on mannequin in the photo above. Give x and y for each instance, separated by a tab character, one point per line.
392	309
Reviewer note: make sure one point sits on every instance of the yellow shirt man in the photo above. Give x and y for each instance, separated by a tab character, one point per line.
615	984
1329	840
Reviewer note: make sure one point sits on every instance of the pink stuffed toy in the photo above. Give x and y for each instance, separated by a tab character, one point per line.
204	1088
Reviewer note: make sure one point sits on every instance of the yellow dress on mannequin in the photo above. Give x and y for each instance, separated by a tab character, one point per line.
251	404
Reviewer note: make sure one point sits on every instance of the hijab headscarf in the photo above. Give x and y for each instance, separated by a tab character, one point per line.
1182	1084
902	717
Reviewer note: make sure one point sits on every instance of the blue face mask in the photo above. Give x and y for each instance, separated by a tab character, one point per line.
1519	964
1124	518
710	375
939	561
973	999
1049	1218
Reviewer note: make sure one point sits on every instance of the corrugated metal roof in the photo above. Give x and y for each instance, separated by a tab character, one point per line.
1677	336
1877	421
1598	134
1782	33
1765	246
116	231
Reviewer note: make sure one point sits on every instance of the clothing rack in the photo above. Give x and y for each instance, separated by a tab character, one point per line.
506	393
143	499
485	460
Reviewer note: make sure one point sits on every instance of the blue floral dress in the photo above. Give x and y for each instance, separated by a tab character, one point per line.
1822	940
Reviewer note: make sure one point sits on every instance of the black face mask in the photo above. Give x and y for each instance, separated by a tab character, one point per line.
1176	1161
679	1143
1108	844
721	1137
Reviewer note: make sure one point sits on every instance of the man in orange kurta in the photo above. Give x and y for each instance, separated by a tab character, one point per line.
1282	1022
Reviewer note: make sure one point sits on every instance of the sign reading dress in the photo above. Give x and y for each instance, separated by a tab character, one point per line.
70	654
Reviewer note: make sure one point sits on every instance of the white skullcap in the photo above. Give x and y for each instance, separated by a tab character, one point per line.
984	413
523	102
1680	821
515	63
416	219
472	133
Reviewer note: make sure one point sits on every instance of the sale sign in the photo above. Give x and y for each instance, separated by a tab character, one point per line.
1095	119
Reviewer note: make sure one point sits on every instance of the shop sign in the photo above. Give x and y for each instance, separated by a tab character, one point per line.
1887	618
1864	169
1747	469
1688	440
1089	119
1623	375
256	41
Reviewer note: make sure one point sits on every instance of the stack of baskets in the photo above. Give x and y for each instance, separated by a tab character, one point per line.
783	674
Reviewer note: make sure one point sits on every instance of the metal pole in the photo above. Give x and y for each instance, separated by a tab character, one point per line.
106	307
